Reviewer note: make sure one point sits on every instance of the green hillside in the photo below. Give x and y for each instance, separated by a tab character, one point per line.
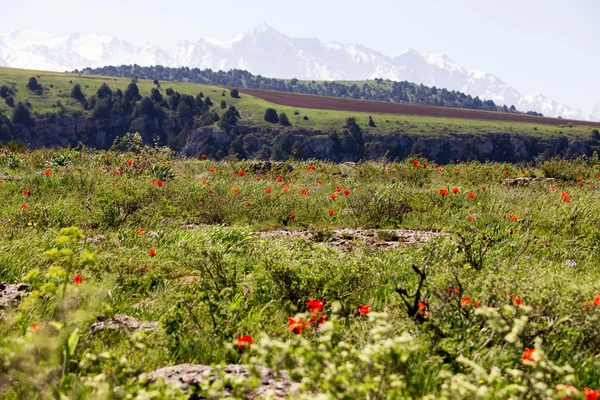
56	98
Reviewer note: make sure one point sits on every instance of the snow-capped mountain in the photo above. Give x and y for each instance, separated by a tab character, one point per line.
267	52
595	115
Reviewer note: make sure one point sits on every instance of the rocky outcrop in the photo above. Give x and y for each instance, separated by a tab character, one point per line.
124	321
11	294
277	143
191	375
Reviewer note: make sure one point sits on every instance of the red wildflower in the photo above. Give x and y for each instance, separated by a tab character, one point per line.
248	203
512	218
415	163
310	168
77	279
296	326
455	190
471	195
443	192
579	179
423	308
331	212
24	206
315	306
554	187
470	218
140	231
438	170
292	216
424	165
597	176
129	162
210	191
566	197
346	192
485	188
517	301
333	196
212	170
455	168
477	303
303	192
203	156
511	231
48	172
338	188
26	192
465	301
320	320
153	181
152	252
269	190
36	327
159	183
320	181
243	342
523	171
364	309
528	354
279	179
591	394
241	173
258	178
597	300
236	191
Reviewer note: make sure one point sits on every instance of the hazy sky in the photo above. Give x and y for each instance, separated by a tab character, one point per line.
538	46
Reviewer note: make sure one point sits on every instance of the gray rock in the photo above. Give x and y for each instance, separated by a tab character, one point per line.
191	375
11	294
124	321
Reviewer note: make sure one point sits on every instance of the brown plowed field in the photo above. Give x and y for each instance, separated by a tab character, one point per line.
382	107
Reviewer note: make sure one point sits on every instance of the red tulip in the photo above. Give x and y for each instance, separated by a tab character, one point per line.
48	172
279	179
579	179
591	394
152	252
528	354
212	170
292	216
244	342
364	309
333	196
241	173
159	183
471	195
470	218
346	192
26	192
465	301
338	188
296	326
443	192
269	190
455	190
320	181
331	212
315	306
24	206
129	162
203	156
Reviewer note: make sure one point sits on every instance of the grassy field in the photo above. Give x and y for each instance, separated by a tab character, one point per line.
58	88
504	277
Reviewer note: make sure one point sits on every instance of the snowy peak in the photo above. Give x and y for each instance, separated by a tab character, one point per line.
595	115
265	51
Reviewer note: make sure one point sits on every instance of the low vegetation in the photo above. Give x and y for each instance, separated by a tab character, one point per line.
467	280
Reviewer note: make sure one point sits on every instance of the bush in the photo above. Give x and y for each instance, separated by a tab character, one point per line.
234	93
77	93
283	120
33	85
21	114
223	105
271	115
371	122
596	134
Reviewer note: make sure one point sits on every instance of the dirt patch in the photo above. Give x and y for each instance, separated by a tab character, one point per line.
349	239
380	107
123	321
11	294
190	375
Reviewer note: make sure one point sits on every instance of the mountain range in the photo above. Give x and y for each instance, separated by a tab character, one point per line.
265	51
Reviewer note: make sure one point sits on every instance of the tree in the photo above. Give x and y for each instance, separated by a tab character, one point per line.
9	101
371	122
283	120
234	93
223	105
33	85
5	133
21	114
184	110
156	96
77	94
595	134
157	83
169	92
104	91
132	93
208	101
199	102
271	115
229	118
146	106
